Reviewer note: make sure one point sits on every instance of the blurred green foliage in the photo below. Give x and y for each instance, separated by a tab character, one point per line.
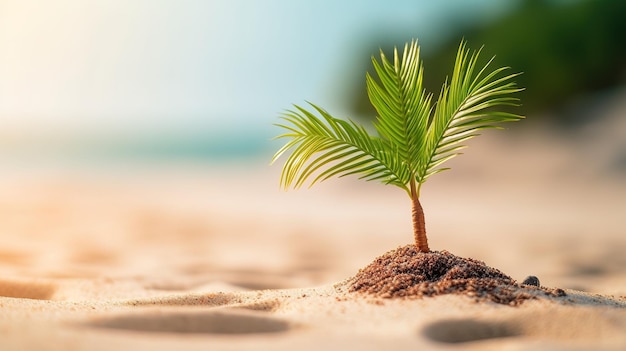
565	49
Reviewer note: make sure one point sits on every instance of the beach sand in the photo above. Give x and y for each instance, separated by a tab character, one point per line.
188	256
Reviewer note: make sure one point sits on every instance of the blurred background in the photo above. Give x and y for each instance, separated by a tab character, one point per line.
206	79
156	116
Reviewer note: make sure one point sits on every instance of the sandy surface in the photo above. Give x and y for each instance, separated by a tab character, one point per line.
185	256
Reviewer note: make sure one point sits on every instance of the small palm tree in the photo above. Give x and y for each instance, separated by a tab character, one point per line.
415	135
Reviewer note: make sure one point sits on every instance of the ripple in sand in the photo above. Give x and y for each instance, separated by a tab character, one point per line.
215	299
27	290
555	322
209	300
213	322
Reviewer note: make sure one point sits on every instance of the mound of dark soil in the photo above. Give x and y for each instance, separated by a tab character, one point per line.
407	273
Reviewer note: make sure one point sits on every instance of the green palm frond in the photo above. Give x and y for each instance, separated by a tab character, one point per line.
402	104
415	137
341	148
465	106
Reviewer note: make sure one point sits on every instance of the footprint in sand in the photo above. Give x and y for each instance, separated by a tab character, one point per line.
195	322
27	290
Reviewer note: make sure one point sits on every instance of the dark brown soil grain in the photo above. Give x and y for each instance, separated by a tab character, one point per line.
407	273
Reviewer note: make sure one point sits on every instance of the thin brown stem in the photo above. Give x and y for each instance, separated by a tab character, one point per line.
419	225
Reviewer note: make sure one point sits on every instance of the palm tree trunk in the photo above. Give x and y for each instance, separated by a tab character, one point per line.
419	225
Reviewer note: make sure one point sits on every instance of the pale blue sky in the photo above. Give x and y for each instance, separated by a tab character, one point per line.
88	65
